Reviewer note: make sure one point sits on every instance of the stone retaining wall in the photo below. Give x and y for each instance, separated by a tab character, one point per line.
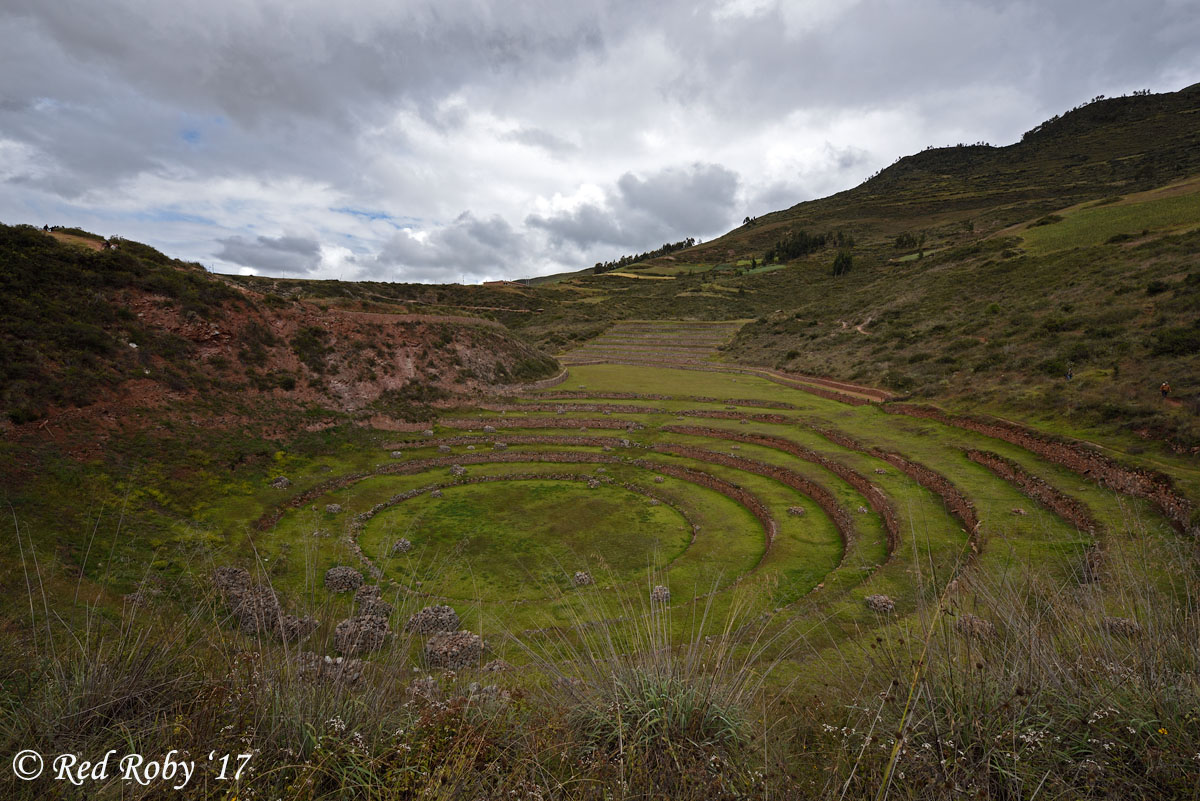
875	497
935	482
1038	489
1152	485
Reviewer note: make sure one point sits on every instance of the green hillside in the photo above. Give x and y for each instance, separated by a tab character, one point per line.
981	276
875	497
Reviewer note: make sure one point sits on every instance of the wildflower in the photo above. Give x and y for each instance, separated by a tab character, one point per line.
1162	732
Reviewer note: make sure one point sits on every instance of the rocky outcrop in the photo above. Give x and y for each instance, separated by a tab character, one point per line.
342	579
880	603
368	602
256	607
453	650
1122	627
433	619
361	634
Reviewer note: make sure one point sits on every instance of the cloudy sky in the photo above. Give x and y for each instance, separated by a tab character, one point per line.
451	141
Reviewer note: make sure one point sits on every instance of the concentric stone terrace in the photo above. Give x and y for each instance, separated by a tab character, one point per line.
639	487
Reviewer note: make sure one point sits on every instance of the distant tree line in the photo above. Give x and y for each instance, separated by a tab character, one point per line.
801	243
624	261
1057	117
909	241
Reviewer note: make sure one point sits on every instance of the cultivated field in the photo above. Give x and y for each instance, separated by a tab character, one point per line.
758	540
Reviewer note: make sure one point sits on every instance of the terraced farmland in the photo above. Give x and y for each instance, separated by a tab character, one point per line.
656	341
738	493
695	346
702	541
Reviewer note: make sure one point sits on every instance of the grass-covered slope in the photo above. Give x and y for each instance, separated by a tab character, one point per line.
978	276
84	325
690	585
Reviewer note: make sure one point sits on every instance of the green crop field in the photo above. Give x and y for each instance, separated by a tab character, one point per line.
1174	209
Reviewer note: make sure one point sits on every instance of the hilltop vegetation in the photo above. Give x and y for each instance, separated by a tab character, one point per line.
81	327
972	275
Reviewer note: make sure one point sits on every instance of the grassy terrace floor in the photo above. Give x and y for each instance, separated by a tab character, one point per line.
684	496
774	516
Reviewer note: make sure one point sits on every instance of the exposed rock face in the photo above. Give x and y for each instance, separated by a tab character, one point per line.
314	667
281	483
433	619
453	650
342	579
361	634
880	603
334	508
660	594
1123	627
401	545
971	626
583	578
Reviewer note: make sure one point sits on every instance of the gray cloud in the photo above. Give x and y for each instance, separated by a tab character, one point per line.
466	247
536	137
285	255
670	204
573	132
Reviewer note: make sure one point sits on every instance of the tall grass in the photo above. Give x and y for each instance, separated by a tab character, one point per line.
1058	701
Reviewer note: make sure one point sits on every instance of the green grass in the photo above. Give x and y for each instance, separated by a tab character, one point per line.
511	540
791	621
1173	209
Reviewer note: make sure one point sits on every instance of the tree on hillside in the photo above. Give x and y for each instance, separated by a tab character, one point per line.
842	262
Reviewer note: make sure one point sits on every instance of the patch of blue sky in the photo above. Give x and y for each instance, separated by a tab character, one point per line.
196	128
375	214
171	216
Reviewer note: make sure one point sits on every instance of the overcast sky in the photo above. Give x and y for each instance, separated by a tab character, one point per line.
449	141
